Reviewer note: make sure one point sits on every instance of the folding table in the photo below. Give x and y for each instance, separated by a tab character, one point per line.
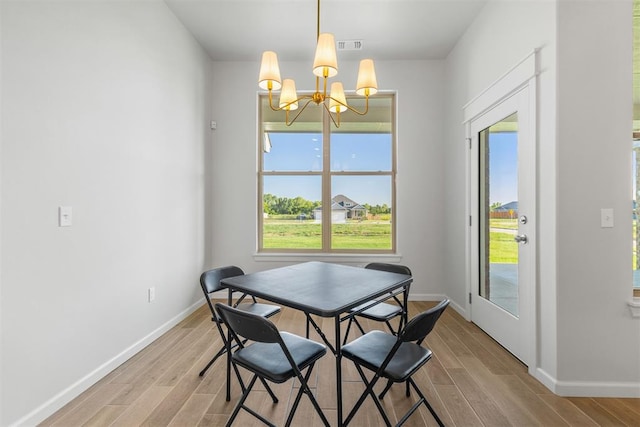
322	289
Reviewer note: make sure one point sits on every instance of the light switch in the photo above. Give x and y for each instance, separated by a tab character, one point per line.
606	218
65	216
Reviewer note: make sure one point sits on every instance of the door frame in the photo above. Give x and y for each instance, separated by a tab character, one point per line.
521	76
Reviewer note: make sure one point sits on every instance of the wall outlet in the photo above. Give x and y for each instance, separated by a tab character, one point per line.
151	293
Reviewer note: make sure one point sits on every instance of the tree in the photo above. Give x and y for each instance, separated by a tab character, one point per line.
377	209
274	205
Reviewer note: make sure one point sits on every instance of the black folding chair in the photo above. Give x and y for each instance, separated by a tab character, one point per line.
272	355
381	312
395	358
210	283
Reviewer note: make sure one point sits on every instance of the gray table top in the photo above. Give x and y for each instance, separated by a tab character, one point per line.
320	288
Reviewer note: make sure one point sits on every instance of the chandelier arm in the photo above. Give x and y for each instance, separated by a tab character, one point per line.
331	115
289	123
284	107
271	102
302	98
361	113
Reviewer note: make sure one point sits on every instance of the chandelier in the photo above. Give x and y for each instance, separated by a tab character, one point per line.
325	65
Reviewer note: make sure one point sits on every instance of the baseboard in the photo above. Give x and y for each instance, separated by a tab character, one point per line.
460	309
588	388
74	390
438	297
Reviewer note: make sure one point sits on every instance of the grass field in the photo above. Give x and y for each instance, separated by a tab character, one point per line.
502	248
307	234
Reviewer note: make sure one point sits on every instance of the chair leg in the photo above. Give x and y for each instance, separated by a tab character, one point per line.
273	396
304	389
388	386
264	382
368	392
393	331
358	325
240	403
425	401
229	363
386	389
220	352
346	334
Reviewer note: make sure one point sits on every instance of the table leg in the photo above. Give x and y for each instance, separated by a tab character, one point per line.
230	301
338	354
405	303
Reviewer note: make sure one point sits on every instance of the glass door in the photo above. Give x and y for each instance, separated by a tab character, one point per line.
502	197
498	157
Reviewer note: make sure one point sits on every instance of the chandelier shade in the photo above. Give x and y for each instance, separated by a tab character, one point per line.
325	66
325	63
288	96
269	72
367	83
338	102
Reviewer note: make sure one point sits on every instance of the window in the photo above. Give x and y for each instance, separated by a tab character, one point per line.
327	189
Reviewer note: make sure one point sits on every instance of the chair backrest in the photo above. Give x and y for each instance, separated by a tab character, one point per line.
422	324
248	325
210	282
391	268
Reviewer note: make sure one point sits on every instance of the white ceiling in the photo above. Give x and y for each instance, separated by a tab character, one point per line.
240	30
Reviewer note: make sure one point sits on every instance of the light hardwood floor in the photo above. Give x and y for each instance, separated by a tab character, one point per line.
471	381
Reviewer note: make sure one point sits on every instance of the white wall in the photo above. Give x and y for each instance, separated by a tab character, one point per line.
419	85
105	108
598	341
587	341
503	34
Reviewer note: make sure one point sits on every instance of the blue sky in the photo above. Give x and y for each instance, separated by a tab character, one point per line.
302	152
503	164
296	152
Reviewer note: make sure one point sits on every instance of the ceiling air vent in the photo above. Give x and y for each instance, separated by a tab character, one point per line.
349	44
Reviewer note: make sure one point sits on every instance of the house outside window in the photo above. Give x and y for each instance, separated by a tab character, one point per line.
313	164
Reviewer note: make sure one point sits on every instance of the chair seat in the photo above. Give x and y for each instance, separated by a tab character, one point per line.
264	310
269	361
380	312
371	349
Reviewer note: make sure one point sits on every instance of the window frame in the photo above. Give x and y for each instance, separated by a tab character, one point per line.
326	175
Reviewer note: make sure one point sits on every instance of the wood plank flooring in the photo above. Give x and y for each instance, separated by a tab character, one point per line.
471	381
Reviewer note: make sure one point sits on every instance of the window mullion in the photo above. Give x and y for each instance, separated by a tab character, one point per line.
326	182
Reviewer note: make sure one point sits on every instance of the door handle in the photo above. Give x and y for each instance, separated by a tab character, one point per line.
521	238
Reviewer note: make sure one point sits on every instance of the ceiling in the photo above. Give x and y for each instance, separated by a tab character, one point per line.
240	30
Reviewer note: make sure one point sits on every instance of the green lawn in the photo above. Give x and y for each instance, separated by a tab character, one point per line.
509	224
307	234
502	248
294	234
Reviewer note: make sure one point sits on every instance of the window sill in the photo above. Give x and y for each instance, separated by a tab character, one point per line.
337	257
634	306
